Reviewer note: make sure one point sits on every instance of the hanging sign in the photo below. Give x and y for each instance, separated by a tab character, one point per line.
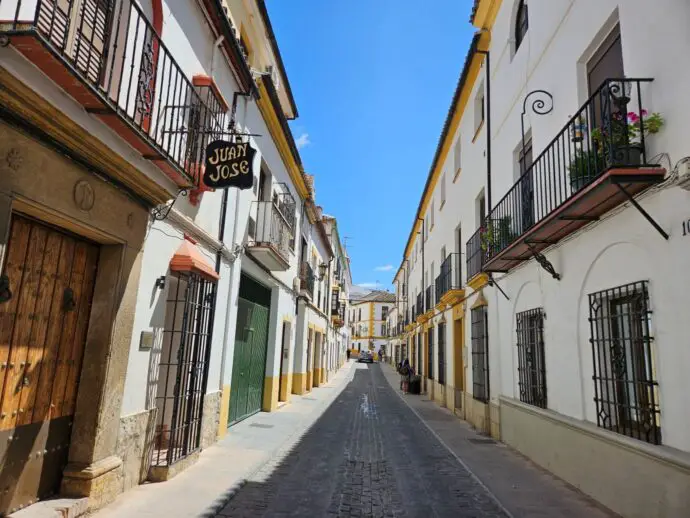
229	164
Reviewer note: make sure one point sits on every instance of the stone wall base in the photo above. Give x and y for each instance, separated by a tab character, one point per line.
100	482
163	473
134	442
477	414
630	477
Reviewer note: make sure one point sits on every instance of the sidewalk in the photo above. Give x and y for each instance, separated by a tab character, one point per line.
250	447
523	488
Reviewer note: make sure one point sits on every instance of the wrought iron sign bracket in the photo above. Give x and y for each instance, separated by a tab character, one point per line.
643	212
544	262
162	211
543	105
493	283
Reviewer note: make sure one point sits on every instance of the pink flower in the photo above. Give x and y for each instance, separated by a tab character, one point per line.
644	113
632	117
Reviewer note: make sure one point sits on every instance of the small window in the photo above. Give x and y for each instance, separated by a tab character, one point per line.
480	354
479	109
531	362
431	216
626	391
457	160
443	190
521	24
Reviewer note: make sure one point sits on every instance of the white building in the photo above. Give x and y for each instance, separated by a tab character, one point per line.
558	329
368	320
167	311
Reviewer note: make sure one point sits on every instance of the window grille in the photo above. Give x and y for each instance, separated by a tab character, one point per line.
480	354
531	364
183	367
625	388
430	352
442	353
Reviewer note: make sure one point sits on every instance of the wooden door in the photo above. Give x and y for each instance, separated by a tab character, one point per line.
42	335
458	361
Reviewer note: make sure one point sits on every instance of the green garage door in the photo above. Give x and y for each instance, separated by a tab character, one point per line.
251	340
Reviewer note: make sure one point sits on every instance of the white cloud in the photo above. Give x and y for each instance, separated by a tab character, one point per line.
369	285
386	268
302	141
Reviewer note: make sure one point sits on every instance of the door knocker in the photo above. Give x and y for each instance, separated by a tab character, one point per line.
5	292
68	302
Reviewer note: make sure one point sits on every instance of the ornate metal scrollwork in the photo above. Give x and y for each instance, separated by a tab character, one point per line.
147	76
544	263
542	105
162	211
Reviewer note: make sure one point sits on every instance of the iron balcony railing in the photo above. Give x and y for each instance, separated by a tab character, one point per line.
115	51
449	277
272	229
475	254
429	298
306	278
603	134
420	304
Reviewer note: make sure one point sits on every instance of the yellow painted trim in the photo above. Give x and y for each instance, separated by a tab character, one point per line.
457	174
299	383
458	112
477	131
459	311
224	410
281	141
478	281
486	12
285	386
270	400
372	310
287	318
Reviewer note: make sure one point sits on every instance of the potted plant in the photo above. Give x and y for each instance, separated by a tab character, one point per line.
617	144
497	235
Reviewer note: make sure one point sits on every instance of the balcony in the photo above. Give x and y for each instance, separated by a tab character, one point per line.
419	309
597	162
475	255
429	298
306	278
271	236
449	281
110	59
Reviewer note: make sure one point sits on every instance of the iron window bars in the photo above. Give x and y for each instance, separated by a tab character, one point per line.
442	353
430	353
625	386
183	367
272	229
600	136
306	276
420	305
115	51
531	362
449	276
480	354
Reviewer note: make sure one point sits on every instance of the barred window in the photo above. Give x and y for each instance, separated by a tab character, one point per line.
442	353
625	388
480	354
521	24
430	353
531	364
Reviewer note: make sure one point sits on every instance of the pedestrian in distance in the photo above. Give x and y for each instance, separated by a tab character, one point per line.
348	355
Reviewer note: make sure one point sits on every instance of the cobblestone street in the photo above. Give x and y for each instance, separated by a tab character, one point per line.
343	466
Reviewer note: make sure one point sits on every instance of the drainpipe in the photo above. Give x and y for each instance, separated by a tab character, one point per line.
221	237
487	54
216	44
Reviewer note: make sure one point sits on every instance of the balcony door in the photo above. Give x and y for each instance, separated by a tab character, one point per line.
526	187
81	29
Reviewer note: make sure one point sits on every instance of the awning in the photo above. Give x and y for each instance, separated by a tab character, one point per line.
189	258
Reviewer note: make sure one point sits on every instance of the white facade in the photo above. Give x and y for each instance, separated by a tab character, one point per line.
563	43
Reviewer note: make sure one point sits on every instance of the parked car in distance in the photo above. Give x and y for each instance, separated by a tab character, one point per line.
366	357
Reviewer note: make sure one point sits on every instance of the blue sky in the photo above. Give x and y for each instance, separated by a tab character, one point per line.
373	80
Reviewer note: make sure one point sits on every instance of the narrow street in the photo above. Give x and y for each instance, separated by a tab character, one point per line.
370	455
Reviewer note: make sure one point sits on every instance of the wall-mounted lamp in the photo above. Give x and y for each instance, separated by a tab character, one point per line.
322	270
160	282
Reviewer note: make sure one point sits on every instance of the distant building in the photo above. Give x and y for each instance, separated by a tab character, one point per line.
368	317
